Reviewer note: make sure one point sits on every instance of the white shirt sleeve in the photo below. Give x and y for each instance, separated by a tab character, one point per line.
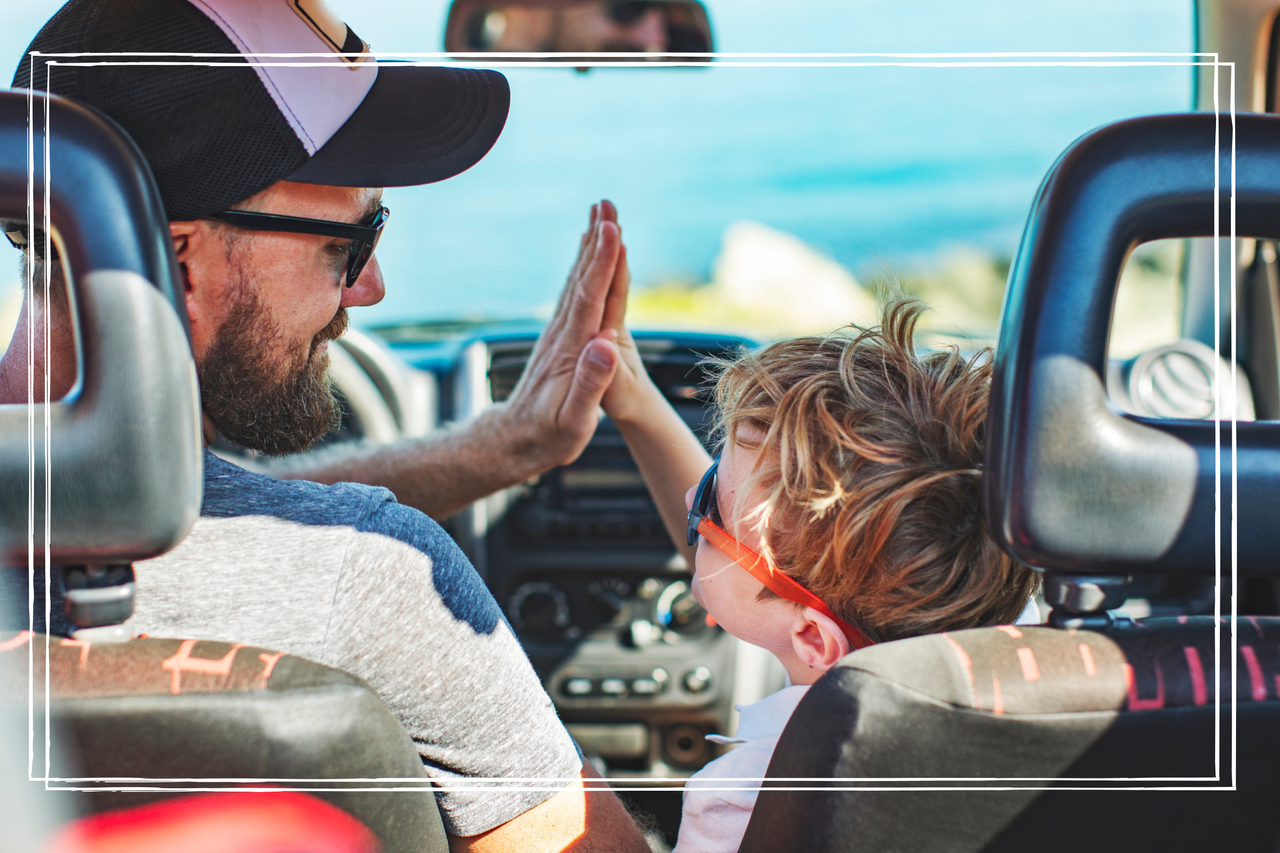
711	824
715	820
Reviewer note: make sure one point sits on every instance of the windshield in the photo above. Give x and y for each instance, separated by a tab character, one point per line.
765	199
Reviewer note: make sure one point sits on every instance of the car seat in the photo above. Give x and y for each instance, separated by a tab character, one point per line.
1038	725
140	719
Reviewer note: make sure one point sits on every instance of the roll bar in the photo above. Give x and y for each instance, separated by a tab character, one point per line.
1072	484
125	445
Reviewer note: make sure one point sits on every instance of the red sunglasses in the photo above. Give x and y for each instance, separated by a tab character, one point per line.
785	586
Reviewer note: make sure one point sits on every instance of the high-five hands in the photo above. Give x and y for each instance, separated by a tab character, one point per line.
553	410
551	414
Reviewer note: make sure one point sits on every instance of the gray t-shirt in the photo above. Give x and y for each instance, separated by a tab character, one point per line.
346	576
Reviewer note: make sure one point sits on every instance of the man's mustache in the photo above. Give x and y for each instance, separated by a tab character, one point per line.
336	328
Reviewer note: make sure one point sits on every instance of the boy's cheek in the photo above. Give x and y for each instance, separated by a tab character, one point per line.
696	588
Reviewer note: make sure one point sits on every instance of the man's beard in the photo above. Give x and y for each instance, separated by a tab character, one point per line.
256	405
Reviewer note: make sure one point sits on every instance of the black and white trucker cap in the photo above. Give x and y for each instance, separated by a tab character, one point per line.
219	131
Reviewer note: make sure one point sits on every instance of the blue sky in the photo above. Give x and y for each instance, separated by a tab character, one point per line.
869	165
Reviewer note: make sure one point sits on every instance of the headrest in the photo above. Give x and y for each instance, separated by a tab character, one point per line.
1040	724
125	448
1072	484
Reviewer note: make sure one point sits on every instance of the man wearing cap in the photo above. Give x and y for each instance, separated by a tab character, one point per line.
271	177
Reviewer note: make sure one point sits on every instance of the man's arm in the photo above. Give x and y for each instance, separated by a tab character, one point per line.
547	421
583	818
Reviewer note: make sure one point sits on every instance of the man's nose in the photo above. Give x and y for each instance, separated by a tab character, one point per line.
688	497
368	289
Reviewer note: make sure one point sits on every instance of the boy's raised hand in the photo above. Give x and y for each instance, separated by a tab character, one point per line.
630	394
668	454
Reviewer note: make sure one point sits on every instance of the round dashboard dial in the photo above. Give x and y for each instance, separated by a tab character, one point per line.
611	597
677	610
538	608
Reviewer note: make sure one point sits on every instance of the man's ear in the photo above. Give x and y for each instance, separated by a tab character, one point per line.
183	235
817	639
190	247
188	243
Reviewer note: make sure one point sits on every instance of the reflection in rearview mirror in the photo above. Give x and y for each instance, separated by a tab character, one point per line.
573	28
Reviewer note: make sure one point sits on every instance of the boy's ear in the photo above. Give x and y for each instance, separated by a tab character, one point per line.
818	640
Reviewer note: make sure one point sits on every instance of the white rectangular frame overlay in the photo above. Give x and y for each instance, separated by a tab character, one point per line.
748	60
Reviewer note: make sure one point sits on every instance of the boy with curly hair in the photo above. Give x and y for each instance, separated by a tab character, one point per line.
844	509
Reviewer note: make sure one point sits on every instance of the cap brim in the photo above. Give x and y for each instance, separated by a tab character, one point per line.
417	125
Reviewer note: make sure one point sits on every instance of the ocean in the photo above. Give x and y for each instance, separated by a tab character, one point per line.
875	167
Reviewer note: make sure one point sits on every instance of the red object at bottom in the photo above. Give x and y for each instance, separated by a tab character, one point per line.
231	822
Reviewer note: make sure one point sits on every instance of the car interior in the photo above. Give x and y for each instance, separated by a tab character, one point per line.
1149	479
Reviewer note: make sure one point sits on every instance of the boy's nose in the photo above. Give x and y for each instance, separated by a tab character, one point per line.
688	497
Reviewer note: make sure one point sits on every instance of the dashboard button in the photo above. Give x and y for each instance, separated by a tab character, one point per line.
641	633
578	687
697	680
610	596
613	687
678	611
645	687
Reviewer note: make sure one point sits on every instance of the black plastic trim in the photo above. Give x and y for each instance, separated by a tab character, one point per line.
1072	484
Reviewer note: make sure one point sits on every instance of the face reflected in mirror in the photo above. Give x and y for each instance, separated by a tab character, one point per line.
577	27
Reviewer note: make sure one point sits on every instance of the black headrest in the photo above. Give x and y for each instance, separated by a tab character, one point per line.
151	713
126	447
1072	484
1039	723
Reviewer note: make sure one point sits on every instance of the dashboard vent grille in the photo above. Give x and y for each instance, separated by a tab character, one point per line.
679	373
505	367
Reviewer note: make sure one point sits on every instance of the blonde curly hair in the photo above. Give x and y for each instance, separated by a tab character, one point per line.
868	486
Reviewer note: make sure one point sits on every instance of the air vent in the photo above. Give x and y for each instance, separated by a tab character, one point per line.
679	373
505	367
1177	381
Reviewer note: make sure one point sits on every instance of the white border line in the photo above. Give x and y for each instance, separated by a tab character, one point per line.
31	451
487	60
1217	432
48	455
1235	584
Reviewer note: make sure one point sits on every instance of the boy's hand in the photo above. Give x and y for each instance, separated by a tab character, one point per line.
668	454
631	393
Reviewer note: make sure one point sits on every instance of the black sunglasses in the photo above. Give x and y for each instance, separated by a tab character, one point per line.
363	237
704	502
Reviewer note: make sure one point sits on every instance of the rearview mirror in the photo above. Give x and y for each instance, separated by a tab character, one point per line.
573	28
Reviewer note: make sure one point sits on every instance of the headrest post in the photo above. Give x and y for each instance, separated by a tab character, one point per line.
1083	601
98	596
